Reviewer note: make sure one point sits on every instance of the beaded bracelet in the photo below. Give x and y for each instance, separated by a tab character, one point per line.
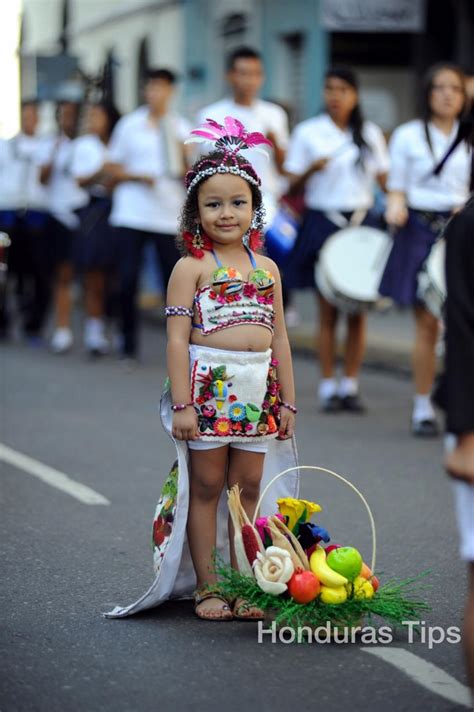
180	406
178	311
293	408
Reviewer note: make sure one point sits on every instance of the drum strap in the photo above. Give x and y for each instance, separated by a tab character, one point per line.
356	219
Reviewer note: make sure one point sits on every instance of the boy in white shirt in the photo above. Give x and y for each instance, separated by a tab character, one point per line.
245	76
147	164
23	217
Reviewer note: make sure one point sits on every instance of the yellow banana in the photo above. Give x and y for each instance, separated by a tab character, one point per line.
325	574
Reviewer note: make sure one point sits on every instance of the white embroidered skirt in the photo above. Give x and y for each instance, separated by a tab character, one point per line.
235	394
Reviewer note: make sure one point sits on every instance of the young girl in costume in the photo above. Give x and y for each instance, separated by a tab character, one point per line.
231	390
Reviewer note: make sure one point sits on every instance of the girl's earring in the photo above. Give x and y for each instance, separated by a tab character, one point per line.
253	237
198	242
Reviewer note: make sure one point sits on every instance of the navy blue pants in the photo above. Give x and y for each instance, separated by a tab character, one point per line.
130	244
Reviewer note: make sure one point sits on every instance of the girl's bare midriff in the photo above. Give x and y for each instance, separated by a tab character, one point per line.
245	337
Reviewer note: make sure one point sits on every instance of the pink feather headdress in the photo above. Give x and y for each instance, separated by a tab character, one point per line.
230	137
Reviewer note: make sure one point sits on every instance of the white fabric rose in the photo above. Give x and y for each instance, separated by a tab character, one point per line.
273	569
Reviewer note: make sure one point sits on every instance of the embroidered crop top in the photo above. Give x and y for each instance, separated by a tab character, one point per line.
231	301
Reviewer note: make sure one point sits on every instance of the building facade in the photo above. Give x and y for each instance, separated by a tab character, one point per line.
111	42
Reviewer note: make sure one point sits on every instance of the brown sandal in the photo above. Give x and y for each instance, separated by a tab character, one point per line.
246	606
205	593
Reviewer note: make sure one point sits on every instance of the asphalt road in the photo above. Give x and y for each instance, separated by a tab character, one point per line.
63	562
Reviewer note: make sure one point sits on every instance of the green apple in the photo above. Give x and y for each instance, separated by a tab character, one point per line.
346	561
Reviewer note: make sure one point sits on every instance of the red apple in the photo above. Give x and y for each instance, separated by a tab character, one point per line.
330	548
375	583
304	586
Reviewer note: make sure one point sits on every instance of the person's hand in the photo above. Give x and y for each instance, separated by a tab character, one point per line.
319	165
396	212
287	424
147	180
185	424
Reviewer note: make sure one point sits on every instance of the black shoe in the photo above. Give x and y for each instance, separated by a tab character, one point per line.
427	428
331	405
353	404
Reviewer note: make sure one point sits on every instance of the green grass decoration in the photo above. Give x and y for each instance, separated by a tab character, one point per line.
394	602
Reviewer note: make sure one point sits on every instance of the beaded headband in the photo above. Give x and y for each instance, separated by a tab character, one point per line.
230	138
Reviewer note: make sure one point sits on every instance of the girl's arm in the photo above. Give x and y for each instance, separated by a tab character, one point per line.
181	290
282	352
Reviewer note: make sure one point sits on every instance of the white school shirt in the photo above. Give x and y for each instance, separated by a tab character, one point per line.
63	194
139	147
20	186
88	156
343	185
262	116
412	164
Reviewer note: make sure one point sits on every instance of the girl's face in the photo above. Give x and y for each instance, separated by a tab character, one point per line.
447	95
225	208
340	98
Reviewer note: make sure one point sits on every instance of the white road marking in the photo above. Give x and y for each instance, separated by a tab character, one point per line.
426	674
52	477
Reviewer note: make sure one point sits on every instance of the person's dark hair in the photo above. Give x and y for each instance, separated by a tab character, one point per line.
465	133
241	53
356	119
29	102
161	73
111	112
190	212
427	88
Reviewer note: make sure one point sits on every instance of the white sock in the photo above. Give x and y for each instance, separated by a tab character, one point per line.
348	387
422	408
327	388
94	326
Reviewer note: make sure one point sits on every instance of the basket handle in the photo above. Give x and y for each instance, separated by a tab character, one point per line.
339	477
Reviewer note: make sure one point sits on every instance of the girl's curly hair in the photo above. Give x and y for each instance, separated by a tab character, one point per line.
190	211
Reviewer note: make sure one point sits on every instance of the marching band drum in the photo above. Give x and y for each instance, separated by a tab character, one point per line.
350	268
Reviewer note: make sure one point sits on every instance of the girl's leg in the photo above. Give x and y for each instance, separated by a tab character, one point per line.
355	349
328	316
245	470
62	337
207	480
63	295
94	337
424	366
94	283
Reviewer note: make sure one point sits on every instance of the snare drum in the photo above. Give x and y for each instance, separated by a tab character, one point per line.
350	268
432	280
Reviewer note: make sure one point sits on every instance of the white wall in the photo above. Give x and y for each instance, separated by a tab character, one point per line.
98	26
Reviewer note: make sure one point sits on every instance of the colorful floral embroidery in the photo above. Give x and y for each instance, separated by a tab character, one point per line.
222	426
227	414
164	515
237	411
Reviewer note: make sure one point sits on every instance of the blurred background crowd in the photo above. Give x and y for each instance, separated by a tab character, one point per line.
104	95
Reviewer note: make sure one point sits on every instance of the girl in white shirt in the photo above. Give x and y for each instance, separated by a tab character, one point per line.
419	205
337	156
94	245
63	197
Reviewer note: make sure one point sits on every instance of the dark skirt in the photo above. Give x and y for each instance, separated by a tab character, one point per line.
411	246
313	233
60	242
94	244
